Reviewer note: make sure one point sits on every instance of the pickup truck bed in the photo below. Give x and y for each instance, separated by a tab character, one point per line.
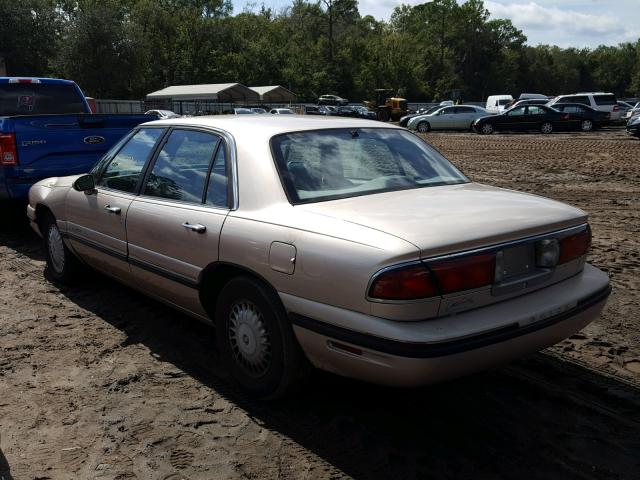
57	145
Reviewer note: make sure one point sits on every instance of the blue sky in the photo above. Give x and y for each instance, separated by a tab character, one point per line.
567	23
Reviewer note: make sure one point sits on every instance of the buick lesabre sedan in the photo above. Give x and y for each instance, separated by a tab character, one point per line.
351	245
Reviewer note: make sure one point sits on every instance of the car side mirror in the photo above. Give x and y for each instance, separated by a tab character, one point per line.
85	183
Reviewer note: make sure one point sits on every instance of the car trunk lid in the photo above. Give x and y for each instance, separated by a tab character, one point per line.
454	218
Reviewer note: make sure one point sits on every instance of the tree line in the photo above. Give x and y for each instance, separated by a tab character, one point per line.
128	48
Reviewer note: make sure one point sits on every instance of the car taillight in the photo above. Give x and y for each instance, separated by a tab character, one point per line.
439	277
404	283
8	150
464	273
574	246
616	108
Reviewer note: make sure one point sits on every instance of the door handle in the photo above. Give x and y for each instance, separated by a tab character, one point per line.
111	209
195	227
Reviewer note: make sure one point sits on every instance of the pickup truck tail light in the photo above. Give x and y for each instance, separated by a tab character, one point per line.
8	150
575	246
24	80
616	108
434	279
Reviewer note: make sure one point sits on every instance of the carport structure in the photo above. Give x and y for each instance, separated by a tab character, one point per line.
275	94
204	98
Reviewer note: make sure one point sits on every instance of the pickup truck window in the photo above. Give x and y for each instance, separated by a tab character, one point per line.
39	99
124	170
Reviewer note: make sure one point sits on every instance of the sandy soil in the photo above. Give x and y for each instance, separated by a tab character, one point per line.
97	381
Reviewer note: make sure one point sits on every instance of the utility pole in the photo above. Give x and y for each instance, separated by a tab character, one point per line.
329	4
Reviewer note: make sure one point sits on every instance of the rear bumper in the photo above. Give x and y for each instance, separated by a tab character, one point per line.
417	353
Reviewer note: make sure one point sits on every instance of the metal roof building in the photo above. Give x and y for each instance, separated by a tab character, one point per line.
217	92
275	94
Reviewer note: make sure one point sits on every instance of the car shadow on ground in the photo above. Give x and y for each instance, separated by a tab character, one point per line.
541	416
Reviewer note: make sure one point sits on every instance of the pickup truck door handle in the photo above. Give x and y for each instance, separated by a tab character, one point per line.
111	209
195	227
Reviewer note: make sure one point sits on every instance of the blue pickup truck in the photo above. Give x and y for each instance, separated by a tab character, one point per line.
47	130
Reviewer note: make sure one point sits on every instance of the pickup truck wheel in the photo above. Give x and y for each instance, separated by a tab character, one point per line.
255	339
546	128
423	127
62	265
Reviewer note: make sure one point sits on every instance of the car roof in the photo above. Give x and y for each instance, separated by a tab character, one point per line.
268	126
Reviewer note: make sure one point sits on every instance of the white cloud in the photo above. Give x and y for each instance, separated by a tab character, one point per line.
568	26
576	23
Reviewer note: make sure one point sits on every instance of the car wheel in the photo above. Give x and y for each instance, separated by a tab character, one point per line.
255	339
546	128
62	265
486	129
423	127
586	125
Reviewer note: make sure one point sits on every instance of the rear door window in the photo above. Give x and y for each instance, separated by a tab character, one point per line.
535	110
181	169
39	99
465	110
580	99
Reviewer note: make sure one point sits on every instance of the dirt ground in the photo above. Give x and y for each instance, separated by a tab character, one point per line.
97	381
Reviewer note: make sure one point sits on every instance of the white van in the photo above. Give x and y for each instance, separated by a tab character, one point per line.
496	103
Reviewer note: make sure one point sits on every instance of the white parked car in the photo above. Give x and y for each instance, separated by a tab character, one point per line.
605	102
162	114
281	111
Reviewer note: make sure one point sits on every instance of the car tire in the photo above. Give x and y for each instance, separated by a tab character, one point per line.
546	128
586	125
486	129
423	127
256	340
62	265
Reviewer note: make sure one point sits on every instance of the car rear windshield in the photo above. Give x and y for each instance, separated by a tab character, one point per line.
39	99
340	163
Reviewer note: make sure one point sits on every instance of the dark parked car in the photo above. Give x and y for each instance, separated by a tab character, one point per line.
317	110
582	117
528	117
633	127
404	121
347	112
528	101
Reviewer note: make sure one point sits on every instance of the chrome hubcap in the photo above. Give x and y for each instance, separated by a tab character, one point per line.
586	125
56	248
546	128
486	128
422	128
249	338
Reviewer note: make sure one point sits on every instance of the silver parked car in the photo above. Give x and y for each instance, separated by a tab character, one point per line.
460	117
354	246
